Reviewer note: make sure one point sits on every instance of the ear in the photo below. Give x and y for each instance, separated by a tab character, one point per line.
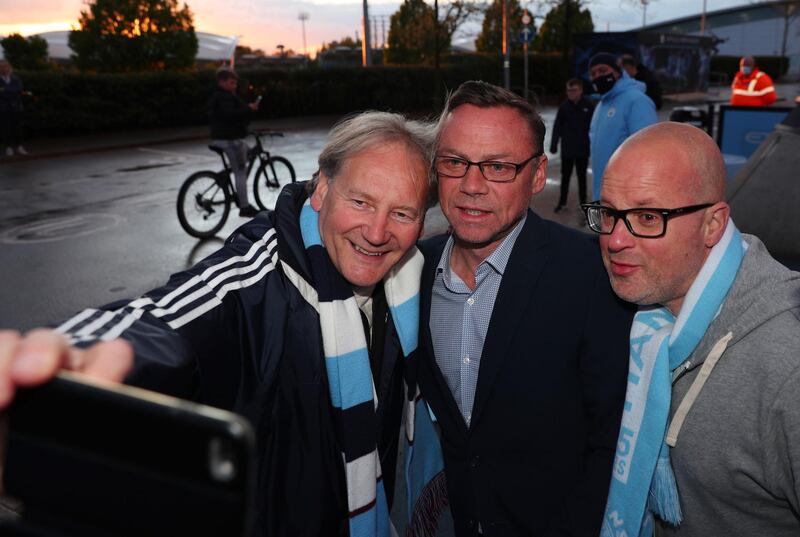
540	175
318	197
716	220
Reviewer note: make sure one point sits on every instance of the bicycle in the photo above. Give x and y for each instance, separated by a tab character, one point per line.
205	198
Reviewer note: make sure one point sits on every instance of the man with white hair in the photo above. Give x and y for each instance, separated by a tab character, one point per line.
243	330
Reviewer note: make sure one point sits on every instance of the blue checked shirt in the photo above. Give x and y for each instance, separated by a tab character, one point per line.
460	318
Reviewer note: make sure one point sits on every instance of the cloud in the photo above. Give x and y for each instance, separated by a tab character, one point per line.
267	23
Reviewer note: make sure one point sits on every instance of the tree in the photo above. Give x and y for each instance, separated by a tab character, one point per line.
22	53
452	15
134	35
413	29
411	34
565	18
343	42
491	37
244	50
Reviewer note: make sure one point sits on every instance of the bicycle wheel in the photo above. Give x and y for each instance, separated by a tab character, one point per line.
271	177
203	205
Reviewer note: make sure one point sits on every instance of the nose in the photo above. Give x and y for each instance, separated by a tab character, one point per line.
376	229
473	183
620	237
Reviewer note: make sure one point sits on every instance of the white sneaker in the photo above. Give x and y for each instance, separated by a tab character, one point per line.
21	150
9	152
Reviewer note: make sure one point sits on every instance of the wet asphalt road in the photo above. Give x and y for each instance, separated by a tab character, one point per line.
89	229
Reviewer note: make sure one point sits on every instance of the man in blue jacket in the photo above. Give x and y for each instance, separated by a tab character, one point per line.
624	109
243	330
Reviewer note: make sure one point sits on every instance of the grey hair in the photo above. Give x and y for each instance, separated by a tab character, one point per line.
372	128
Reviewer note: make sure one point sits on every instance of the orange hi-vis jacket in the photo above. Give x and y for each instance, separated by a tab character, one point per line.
754	90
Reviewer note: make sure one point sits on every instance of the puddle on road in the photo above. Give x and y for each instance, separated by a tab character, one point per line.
142	167
60	228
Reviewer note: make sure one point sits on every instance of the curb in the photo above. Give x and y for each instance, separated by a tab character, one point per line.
99	149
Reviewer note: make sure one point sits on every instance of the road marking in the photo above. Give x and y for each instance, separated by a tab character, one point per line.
60	228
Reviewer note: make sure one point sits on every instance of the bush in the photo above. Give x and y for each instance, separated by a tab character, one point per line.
70	103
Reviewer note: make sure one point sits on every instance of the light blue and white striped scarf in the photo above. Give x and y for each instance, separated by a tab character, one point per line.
350	378
643	483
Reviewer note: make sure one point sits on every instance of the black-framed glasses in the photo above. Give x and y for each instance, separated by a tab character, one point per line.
646	222
495	171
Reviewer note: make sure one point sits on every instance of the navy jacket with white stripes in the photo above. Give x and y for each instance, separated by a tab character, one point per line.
235	333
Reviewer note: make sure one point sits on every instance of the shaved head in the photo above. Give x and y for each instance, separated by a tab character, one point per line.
670	143
665	167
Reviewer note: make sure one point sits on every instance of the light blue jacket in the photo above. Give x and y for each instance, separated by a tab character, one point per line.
621	112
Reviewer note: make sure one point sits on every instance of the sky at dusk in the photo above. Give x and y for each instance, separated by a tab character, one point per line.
267	23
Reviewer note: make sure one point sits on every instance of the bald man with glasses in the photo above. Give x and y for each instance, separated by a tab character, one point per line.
710	433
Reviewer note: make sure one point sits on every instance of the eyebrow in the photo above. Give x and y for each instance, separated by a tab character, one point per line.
495	156
371	199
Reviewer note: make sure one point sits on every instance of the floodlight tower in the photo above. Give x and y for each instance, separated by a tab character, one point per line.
303	16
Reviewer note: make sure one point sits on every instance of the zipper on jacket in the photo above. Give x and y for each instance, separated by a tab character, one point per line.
681	370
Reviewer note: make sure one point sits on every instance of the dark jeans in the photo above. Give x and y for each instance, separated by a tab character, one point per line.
10	128
567	164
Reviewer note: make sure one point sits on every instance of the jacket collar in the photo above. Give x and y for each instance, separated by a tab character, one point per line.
528	257
286	219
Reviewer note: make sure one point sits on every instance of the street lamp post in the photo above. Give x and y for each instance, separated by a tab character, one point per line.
366	44
303	16
644	12
506	49
703	20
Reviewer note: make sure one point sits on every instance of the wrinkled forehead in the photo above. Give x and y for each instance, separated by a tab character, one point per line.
650	175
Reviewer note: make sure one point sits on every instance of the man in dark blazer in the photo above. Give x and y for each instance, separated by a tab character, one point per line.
524	346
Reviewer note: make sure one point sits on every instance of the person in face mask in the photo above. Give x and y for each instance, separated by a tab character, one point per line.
624	109
751	86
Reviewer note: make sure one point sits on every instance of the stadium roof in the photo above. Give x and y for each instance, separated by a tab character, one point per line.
723	17
209	46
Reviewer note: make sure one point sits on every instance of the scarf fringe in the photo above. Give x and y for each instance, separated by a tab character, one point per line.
429	507
663	499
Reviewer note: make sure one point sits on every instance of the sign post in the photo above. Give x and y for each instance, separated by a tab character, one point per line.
526	35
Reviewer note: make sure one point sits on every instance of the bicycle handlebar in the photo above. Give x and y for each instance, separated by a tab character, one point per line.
266	132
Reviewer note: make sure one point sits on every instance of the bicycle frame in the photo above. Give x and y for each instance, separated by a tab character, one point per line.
255	154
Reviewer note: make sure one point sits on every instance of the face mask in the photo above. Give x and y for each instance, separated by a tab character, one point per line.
603	84
746	70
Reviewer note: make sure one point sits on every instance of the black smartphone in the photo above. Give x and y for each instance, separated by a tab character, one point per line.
87	458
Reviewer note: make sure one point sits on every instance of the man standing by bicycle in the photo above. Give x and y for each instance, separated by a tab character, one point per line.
229	115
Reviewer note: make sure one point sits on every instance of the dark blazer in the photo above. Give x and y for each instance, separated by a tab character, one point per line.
537	457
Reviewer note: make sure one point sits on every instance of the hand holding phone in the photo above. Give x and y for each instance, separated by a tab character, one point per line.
123	461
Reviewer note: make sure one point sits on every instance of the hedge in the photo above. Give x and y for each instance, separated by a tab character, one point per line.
69	103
